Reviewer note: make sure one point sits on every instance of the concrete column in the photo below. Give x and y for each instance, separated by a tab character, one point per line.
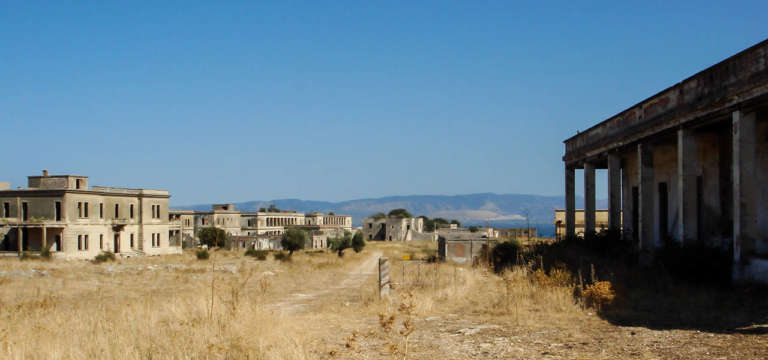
686	187
645	197
570	201
45	238
626	205
20	239
744	185
589	199
614	192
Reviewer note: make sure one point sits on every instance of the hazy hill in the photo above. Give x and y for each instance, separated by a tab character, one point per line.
498	209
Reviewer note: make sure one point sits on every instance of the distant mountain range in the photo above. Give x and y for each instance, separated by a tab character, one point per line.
500	210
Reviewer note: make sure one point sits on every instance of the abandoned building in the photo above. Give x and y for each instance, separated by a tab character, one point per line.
63	214
258	229
601	222
464	247
394	229
688	164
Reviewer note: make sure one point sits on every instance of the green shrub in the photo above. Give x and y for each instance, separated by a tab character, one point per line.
103	257
281	256
258	254
202	254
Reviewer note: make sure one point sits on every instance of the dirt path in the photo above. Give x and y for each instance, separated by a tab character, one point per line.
299	302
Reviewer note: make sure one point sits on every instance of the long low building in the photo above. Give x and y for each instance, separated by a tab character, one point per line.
687	164
63	214
261	224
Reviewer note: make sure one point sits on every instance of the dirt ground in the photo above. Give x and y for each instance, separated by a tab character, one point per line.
319	306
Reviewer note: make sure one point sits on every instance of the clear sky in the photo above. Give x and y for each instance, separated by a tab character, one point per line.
333	100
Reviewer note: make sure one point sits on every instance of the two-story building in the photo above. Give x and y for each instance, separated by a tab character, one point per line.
63	214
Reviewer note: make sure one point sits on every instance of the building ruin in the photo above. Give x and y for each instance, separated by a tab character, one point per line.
686	165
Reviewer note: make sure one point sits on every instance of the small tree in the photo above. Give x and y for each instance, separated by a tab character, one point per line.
339	244
273	208
212	236
457	222
293	239
358	242
474	229
401	213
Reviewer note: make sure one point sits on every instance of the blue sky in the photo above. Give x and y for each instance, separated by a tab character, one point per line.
235	101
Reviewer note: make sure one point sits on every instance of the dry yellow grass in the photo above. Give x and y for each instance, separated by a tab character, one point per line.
317	306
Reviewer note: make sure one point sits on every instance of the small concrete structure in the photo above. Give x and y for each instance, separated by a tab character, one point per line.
61	213
688	163
464	248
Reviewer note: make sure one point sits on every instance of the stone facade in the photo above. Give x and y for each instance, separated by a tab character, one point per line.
686	165
394	229
63	214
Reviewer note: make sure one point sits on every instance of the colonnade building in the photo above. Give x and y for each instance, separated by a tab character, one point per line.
61	213
688	165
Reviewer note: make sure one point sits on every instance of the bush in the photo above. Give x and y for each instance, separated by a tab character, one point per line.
212	236
281	256
258	254
358	242
505	255
202	254
103	257
599	295
474	229
339	244
400	213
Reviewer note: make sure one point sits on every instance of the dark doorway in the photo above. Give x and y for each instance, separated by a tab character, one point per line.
116	245
663	212
58	211
57	241
24	211
635	213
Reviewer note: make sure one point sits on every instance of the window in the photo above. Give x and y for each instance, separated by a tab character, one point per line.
57	208
101	242
79	242
24	212
85	242
6	209
85	210
78	183
117	211
131	241
101	210
130	211
79	209
370	225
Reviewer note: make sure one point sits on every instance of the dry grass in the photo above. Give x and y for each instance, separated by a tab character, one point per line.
316	306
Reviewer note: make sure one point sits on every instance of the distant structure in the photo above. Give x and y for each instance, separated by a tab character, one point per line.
464	247
686	164
517	234
61	213
601	222
259	230
394	229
